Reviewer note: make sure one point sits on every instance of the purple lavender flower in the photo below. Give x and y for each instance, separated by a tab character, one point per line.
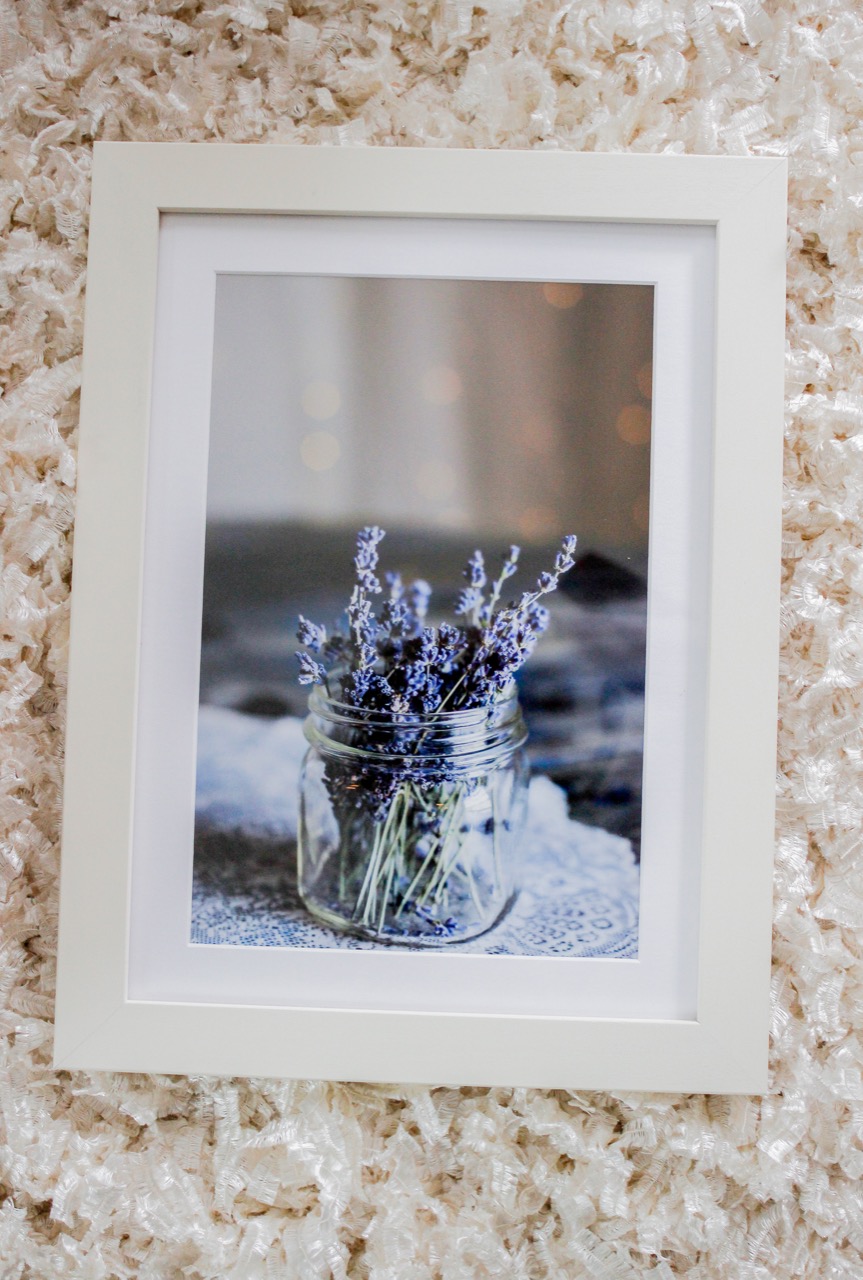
418	596
430	696
311	635
510	562
564	560
396	619
367	655
538	618
468	601
356	686
367	689
396	663
311	672
417	686
427	645
474	570
450	642
366	558
360	621
471	601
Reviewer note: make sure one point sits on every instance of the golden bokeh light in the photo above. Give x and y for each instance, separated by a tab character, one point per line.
633	424
562	296
538	523
321	400
644	380
436	480
320	450
441	384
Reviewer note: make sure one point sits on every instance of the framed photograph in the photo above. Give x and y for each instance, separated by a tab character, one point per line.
424	643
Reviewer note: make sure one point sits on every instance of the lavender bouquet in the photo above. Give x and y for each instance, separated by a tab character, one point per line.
414	787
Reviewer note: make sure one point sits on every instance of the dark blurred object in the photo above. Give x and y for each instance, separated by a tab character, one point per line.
269	705
596	580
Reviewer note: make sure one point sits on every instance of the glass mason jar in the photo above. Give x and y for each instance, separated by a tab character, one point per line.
409	826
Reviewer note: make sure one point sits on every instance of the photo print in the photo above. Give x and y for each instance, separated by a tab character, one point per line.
397	469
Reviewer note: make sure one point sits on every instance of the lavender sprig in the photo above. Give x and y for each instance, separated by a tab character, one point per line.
510	635
360	616
418	595
311	635
397	663
360	685
508	568
366	558
311	672
473	599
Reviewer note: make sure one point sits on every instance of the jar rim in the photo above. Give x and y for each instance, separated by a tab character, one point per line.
321	703
464	738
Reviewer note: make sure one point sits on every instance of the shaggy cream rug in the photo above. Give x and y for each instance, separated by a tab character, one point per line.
118	1176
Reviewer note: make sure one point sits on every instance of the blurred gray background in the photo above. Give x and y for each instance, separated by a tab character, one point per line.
490	407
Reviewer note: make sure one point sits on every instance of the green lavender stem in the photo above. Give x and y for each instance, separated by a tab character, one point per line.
435	850
393	857
444	867
394	853
372	869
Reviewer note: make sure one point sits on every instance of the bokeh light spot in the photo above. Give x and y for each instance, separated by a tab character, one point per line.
441	384
538	523
321	400
633	424
562	296
320	450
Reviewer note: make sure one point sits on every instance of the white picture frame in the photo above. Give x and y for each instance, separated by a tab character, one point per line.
102	1020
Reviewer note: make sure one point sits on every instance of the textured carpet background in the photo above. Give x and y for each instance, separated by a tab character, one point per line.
167	1178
